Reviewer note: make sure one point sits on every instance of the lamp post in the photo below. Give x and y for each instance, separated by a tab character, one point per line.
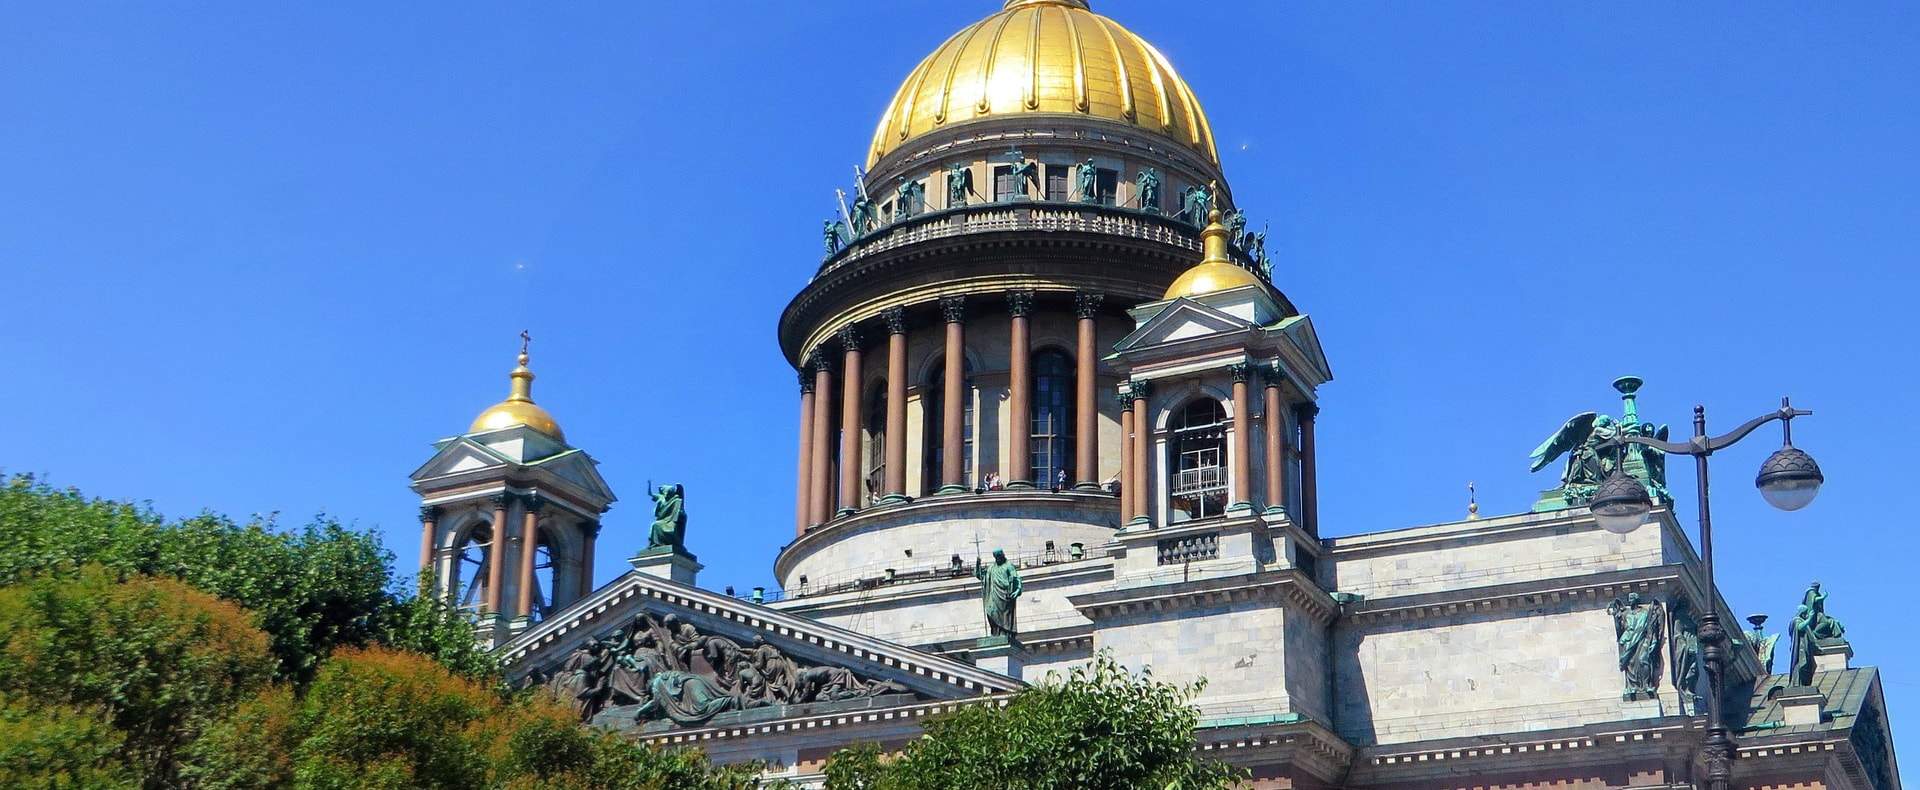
1788	480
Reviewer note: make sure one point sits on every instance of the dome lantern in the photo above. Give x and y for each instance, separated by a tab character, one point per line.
518	408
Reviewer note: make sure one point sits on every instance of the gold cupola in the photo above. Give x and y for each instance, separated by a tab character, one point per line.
1215	272
518	408
1045	57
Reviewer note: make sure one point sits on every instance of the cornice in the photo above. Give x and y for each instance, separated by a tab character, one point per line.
1287	586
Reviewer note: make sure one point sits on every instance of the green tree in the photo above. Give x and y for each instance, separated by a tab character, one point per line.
103	679
379	718
313	589
1100	728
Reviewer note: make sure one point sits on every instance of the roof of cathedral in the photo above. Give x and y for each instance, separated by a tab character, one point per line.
518	408
1216	271
1045	57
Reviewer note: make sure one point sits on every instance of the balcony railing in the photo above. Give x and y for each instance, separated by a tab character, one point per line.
1205	478
1024	215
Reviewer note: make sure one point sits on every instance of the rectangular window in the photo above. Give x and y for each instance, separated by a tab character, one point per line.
1109	181
1003	187
1059	182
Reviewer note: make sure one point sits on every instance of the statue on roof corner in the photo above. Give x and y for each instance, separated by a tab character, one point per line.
669	518
1811	625
1581	440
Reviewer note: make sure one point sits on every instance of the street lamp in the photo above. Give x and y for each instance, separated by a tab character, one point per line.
1788	480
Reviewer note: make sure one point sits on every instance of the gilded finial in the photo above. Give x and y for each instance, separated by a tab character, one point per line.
1473	503
522	390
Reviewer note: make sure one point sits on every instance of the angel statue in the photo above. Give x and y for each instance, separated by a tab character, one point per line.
1579	440
1584	440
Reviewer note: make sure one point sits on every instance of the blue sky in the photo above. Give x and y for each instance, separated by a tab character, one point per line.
258	256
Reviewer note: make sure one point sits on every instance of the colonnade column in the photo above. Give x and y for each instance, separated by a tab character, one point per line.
1127	491
820	490
850	423
952	460
1020	392
1309	484
896	460
1276	445
1142	441
803	490
497	554
429	523
1241	470
529	541
1086	429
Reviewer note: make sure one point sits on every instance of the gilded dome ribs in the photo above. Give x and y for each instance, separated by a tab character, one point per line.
1045	57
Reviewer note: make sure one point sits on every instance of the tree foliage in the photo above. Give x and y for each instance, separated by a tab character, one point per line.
1100	728
312	589
101	678
380	718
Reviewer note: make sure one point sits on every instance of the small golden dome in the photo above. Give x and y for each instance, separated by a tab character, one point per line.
518	408
1215	272
1045	57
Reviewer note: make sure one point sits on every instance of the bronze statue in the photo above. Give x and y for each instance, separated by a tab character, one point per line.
1148	185
1637	627
1088	182
834	235
1686	655
669	518
959	184
1582	440
1811	625
1763	643
1194	202
999	591
1237	224
863	215
1025	174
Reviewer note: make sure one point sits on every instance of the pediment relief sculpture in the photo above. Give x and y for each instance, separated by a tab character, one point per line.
664	668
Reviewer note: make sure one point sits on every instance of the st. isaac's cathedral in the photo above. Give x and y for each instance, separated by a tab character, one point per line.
1042	325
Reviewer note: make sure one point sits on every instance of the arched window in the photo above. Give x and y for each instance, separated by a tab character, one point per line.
543	576
1053	405
1197	478
876	454
472	566
933	398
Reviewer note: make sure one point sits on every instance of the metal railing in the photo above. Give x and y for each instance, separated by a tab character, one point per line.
1024	215
1205	478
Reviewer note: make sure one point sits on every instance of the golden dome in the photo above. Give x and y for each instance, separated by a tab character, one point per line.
518	408
1215	272
1045	57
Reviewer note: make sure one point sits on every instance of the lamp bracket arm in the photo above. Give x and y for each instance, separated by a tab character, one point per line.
1717	442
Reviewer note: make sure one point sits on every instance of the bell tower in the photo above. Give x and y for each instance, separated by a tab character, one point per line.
509	514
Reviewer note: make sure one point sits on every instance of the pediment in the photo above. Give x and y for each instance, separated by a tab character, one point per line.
1300	332
576	467
457	455
1181	319
650	653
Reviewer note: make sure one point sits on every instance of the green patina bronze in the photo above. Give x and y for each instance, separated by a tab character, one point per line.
1811	626
1637	627
1581	440
999	591
669	518
1148	183
1088	182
